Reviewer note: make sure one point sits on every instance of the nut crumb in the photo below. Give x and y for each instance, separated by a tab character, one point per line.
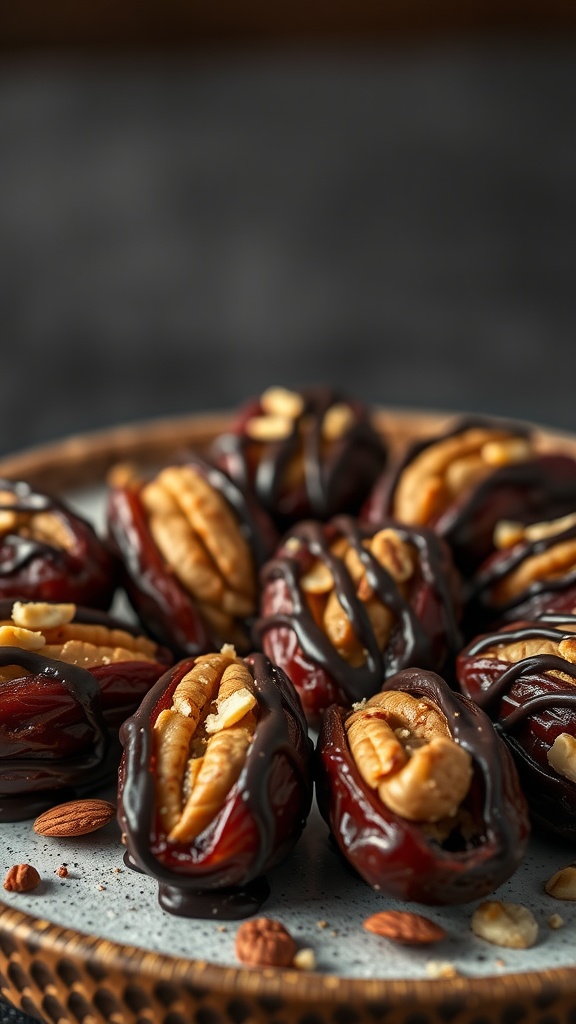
101	888
555	921
62	871
321	924
304	960
222	928
441	969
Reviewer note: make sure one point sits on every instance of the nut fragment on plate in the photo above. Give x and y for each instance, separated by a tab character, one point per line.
405	927
264	942
21	878
562	884
505	924
75	818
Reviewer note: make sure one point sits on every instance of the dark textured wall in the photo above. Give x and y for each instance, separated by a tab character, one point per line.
178	232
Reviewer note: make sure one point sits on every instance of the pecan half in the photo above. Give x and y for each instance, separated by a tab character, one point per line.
202	741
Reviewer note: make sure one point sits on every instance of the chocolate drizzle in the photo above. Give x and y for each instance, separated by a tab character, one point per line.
504	563
22	778
18	551
233	886
327	470
410	644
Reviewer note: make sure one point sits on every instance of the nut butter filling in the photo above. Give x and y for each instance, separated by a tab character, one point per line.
403	749
366	628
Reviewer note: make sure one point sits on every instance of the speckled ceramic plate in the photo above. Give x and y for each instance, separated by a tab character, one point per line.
95	946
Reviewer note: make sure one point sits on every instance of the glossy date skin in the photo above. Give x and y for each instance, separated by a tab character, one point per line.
335	477
425	629
166	608
37	567
532	705
542	487
53	738
396	856
220	874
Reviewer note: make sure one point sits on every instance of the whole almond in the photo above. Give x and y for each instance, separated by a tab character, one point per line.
404	926
74	818
21	878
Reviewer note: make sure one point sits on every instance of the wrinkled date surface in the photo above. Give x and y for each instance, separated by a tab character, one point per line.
421	796
48	553
524	677
123	661
190	544
215	783
309	453
52	734
465	481
532	572
344	606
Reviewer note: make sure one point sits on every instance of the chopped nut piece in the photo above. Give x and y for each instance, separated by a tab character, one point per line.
441	969
505	924
281	402
41	615
304	960
269	428
62	871
562	756
26	639
562	884
337	421
264	942
21	878
555	921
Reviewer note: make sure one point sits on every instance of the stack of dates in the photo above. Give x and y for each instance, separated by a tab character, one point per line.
419	613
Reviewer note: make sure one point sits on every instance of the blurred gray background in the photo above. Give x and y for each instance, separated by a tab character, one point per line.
180	229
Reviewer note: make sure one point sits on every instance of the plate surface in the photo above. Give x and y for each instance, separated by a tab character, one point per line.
96	946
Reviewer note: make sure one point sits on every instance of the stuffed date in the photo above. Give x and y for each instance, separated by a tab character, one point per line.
215	782
49	553
344	606
532	571
524	677
463	482
124	662
190	543
420	794
311	453
53	738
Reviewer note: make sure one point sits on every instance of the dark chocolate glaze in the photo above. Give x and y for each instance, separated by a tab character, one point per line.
323	469
22	778
215	887
409	646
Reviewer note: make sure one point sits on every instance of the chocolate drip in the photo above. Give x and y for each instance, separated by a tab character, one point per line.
190	894
323	469
409	645
33	774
